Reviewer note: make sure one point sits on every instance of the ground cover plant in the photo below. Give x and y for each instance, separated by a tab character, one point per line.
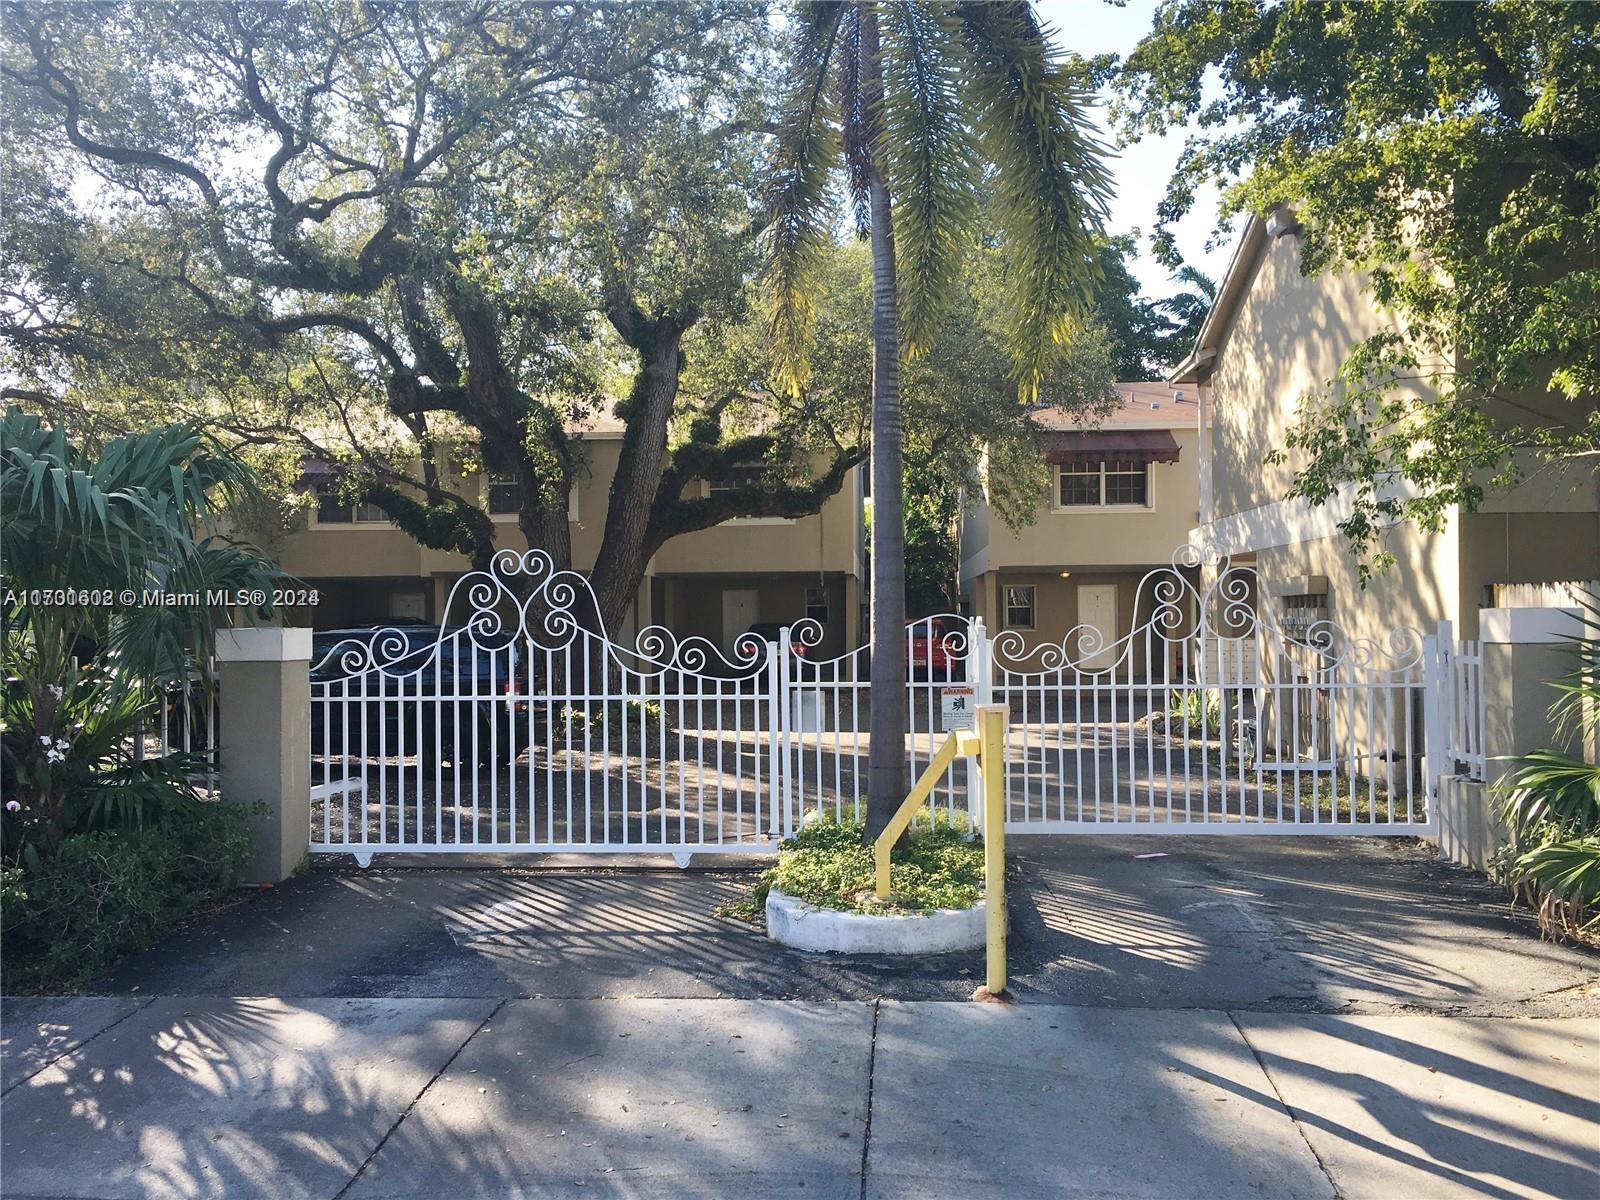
938	865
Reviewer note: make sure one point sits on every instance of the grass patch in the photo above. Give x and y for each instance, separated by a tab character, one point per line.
939	866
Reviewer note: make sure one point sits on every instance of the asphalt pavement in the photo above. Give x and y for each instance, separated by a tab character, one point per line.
1239	1018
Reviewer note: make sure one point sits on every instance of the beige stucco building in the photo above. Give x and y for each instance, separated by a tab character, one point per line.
715	583
1274	335
1121	497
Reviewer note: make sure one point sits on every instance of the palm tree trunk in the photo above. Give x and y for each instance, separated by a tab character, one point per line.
886	764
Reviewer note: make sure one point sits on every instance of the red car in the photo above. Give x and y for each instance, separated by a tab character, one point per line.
930	655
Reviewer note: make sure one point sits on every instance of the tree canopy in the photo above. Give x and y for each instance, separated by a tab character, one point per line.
400	237
1451	153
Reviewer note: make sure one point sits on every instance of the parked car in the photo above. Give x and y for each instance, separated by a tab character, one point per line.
929	656
437	684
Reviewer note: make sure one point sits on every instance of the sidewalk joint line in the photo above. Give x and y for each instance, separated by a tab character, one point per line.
1294	1118
76	1046
417	1099
872	1071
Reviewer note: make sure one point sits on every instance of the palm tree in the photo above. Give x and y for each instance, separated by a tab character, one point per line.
910	101
85	530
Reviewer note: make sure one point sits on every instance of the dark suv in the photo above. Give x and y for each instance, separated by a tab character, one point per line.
429	683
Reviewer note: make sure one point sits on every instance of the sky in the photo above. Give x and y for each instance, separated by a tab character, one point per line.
1090	27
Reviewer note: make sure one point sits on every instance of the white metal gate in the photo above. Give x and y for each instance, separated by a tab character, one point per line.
524	729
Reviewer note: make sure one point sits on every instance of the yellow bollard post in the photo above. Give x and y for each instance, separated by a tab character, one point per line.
991	761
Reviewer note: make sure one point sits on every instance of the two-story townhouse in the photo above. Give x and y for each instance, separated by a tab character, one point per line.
1273	335
714	583
1121	499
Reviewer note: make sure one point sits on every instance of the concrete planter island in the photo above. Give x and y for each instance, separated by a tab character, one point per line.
793	922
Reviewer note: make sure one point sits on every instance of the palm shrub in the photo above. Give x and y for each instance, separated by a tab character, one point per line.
136	514
909	103
1552	805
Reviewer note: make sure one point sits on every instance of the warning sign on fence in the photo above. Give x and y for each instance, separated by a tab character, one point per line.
955	708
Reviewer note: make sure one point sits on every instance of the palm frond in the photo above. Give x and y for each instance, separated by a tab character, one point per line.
929	158
801	226
1567	869
855	123
1051	183
1552	790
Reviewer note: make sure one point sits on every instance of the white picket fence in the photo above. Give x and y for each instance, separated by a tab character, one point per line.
522	727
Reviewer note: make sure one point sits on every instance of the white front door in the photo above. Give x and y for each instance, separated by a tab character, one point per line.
1097	607
739	609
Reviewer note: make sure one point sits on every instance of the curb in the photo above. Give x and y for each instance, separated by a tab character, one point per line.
793	922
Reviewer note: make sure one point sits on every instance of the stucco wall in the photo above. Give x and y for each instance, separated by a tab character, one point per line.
1422	588
825	542
1290	335
1076	538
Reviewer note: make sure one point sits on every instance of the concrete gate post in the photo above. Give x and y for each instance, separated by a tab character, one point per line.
264	681
1523	650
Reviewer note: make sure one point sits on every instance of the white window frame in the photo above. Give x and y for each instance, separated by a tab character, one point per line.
1104	471
1033	604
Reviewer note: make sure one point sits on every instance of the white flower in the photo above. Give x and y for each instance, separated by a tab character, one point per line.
57	690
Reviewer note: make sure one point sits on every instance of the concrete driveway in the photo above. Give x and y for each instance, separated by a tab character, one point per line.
1240	1018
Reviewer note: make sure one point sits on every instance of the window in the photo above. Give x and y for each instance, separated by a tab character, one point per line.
1107	484
817	604
1019	606
740	476
505	497
332	510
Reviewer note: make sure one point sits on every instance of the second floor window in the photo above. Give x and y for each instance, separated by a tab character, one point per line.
1111	483
504	497
333	510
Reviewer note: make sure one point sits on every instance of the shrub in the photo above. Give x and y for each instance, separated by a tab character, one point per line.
1195	709
614	714
940	865
1552	807
107	893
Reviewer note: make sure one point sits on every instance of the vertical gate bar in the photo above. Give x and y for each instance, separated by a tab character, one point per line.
1166	698
1152	641
855	727
535	688
661	752
1077	732
683	778
1294	716
513	689
1257	732
628	760
1388	754
1061	742
602	685
494	739
366	757
586	653
564	716
780	815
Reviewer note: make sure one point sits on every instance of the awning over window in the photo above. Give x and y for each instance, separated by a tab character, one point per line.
1064	448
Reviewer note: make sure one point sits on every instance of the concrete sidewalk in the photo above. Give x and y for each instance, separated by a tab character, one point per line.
468	1097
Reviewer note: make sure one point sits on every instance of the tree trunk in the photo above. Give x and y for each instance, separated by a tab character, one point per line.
624	554
886	765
